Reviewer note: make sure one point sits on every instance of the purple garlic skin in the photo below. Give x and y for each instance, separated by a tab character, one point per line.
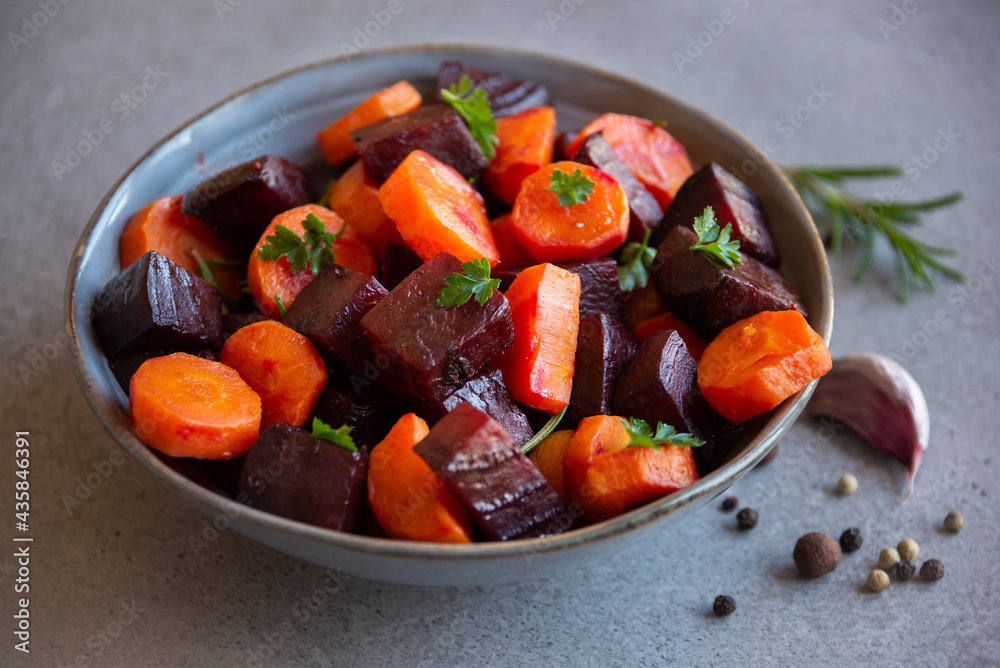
879	399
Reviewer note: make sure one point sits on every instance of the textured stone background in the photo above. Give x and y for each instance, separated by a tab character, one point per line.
126	547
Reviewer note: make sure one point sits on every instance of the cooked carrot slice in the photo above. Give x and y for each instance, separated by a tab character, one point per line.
436	210
270	280
664	321
354	198
186	406
406	496
657	159
335	140
280	365
756	363
643	304
525	144
549	455
622	479
511	253
594	436
163	227
551	232
538	367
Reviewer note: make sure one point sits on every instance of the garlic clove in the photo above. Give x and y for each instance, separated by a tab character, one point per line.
879	399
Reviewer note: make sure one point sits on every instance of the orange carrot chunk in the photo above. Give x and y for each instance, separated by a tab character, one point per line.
511	253
408	499
549	455
436	210
186	406
594	436
525	144
335	140
271	280
551	232
643	304
756	363
355	199
657	159
280	365
545	307
163	227
622	479
664	321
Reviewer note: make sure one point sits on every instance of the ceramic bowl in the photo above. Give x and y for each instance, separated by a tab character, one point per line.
281	115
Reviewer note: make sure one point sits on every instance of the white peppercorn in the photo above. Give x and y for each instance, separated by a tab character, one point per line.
888	559
878	580
954	522
848	484
908	549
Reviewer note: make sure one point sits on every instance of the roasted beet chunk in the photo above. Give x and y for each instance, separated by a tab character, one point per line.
599	292
436	129
644	209
329	312
732	201
708	298
355	402
488	393
506	95
154	303
400	261
655	385
289	473
604	347
239	202
427	351
503	491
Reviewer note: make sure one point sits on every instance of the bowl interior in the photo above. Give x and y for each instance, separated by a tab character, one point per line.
282	115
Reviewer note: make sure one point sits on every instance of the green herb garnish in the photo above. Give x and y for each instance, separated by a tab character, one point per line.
474	108
864	220
473	281
282	309
340	436
636	259
642	435
206	274
570	188
716	243
312	251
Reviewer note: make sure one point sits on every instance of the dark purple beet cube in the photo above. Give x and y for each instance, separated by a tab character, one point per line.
427	351
329	312
488	393
732	201
400	261
436	129
239	202
355	402
599	291
154	303
604	347
503	491
506	95
708	298
655	384
644	210
289	473
125	365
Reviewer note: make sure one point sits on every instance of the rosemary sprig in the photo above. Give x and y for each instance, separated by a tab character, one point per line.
864	221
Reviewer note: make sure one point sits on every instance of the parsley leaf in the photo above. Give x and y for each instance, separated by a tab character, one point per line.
340	436
715	243
282	309
636	258
474	108
571	188
312	251
473	281
643	436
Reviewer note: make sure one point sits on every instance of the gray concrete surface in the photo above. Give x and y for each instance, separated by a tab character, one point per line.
114	580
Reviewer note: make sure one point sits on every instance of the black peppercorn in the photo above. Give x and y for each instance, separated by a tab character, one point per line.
724	605
730	504
746	519
851	540
932	570
906	570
